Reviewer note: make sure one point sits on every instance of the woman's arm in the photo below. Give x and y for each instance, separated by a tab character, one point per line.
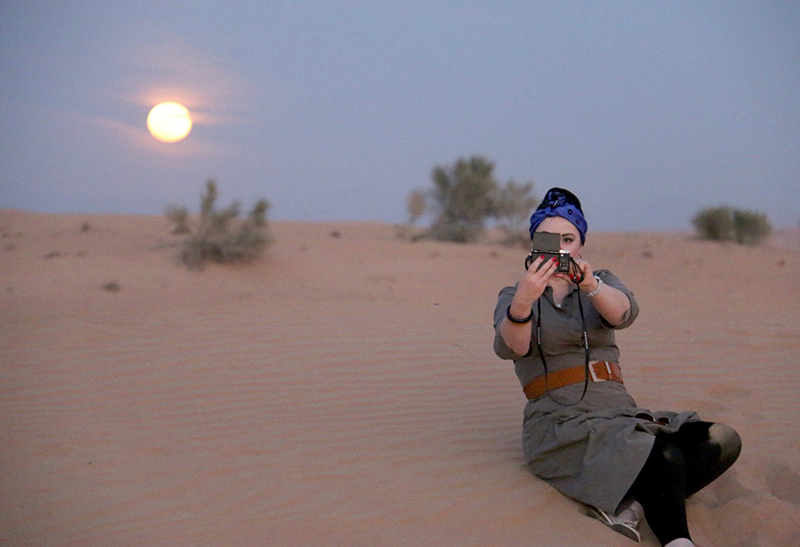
531	286
610	302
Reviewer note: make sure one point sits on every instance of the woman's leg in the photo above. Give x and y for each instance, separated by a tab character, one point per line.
681	464
661	490
709	449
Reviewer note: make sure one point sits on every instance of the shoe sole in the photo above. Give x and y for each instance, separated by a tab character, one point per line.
627	531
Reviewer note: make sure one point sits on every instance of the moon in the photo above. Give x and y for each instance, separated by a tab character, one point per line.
169	122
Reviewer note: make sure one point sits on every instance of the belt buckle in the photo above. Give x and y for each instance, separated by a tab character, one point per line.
593	374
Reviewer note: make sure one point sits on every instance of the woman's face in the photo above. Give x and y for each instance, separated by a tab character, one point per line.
570	237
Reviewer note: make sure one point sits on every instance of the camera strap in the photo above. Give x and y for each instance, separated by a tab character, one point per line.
585	350
576	277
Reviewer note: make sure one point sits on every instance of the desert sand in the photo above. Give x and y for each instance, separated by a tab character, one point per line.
342	390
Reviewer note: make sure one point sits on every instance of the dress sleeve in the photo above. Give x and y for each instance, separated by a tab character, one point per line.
613	281
503	302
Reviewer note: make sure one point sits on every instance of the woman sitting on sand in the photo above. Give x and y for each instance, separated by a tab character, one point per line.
582	432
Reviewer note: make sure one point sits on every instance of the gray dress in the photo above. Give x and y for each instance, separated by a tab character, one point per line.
594	450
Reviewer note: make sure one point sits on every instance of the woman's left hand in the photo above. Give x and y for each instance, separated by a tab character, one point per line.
589	283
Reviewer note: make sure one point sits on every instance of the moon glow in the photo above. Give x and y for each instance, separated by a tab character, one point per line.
169	122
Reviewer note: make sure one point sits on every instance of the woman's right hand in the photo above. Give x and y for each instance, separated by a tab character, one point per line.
532	285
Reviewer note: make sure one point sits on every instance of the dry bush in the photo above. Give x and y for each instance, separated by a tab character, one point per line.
727	224
751	227
464	196
179	217
417	206
512	206
220	235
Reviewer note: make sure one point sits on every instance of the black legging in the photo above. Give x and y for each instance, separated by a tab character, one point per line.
681	464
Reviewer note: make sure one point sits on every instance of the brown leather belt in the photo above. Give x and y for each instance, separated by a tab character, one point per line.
598	371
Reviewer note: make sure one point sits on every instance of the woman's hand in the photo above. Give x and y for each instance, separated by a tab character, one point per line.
585	272
532	285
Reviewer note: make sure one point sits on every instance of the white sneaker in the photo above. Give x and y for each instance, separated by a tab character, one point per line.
626	523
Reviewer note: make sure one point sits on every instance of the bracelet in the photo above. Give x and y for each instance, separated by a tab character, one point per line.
515	320
597	289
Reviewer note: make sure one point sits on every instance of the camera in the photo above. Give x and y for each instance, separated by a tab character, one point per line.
549	245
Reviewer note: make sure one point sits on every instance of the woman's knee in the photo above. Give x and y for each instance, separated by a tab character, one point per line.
728	440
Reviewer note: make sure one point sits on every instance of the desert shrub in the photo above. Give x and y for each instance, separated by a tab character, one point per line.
462	195
179	216
751	228
727	224
465	195
715	224
512	206
258	215
456	232
417	205
220	235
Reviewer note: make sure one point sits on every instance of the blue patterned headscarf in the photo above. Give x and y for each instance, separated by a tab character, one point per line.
558	202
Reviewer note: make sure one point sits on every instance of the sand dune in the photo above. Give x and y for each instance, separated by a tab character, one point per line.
343	389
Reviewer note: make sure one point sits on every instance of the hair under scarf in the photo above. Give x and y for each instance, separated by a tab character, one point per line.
558	202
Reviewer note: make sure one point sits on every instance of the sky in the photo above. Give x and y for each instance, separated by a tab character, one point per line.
650	111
